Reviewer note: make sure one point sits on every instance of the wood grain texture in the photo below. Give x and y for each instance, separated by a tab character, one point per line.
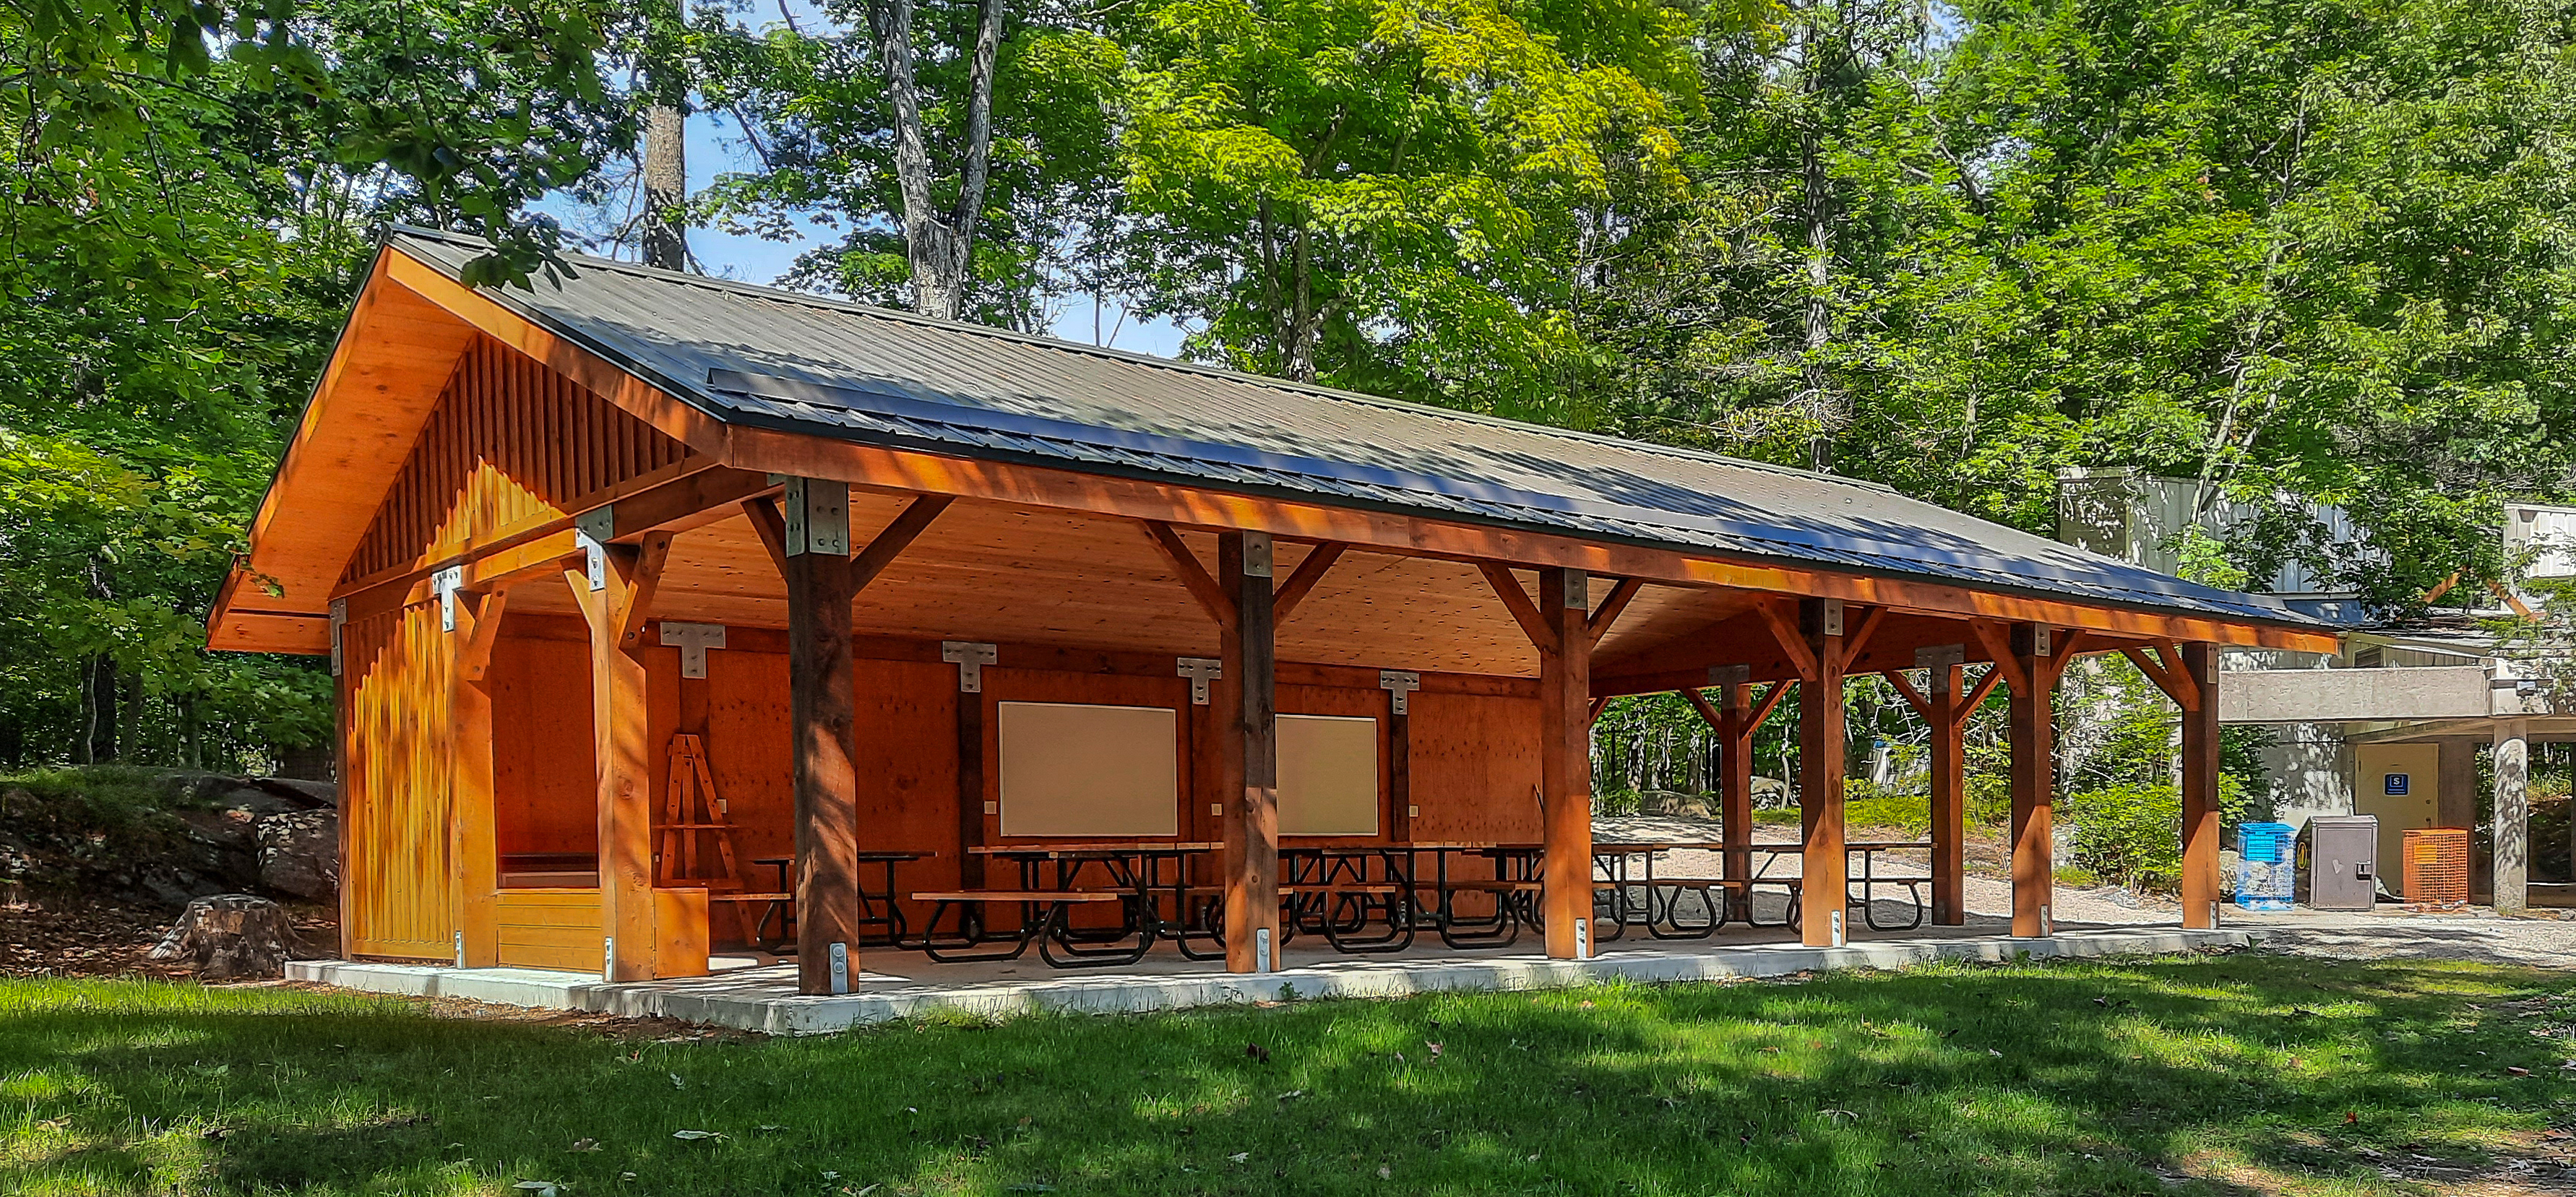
1823	749
2197	665
395	793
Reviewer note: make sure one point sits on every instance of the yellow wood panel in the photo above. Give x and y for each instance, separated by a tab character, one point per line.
395	797
550	928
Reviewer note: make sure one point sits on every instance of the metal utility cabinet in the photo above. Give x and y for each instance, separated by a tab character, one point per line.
2339	861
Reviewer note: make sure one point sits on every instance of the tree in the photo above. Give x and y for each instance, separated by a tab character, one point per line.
961	144
1392	195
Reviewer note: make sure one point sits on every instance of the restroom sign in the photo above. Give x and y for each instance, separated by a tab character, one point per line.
2394	785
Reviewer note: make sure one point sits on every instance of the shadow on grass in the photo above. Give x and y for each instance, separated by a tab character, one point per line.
2071	1078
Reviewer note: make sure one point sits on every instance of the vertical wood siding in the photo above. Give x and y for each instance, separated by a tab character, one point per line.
510	441
395	794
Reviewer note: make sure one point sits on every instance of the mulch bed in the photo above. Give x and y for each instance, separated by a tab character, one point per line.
86	937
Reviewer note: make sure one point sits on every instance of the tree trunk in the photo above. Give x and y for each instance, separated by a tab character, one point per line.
96	743
666	187
666	151
938	245
1816	212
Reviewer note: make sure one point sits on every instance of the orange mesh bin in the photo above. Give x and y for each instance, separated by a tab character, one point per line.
2437	865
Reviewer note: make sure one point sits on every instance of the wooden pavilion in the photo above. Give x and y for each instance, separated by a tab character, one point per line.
633	579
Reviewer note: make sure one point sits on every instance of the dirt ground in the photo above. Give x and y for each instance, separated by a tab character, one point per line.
75	937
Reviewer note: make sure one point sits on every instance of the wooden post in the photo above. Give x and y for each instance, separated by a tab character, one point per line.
1735	717
473	851
626	576
1735	790
1399	771
1822	892
2200	808
344	757
1565	761
1247	753
970	788
822	696
2034	781
1948	717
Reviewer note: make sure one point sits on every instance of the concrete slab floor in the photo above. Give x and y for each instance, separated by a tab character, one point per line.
898	984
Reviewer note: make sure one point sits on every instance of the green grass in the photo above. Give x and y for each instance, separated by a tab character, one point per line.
2227	1075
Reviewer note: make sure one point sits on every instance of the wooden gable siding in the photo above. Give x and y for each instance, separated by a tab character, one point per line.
511	442
395	785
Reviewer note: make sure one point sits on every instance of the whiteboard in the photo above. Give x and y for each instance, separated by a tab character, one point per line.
1075	769
1327	775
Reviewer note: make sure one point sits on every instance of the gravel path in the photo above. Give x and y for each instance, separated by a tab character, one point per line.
2390	932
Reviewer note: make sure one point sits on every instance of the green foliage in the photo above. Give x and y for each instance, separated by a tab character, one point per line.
2131	834
1393	196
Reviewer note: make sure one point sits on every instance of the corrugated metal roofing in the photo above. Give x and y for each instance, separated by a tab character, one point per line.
755	355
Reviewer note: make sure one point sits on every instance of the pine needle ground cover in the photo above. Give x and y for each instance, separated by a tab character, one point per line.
2222	1074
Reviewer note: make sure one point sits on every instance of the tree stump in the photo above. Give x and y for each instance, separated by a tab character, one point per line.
230	937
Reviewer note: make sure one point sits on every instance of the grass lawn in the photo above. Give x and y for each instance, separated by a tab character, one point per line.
2214	1074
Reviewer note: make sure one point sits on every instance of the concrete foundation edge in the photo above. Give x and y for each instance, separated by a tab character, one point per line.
761	1007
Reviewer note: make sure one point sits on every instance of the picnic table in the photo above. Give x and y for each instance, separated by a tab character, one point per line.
876	906
1725	899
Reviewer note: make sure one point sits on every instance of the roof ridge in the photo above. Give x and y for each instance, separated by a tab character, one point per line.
1150	361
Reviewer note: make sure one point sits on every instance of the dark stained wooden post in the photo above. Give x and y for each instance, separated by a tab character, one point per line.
1735	791
1399	686
822	698
1822	892
1248	759
2200	807
1948	717
1565	761
2034	782
625	577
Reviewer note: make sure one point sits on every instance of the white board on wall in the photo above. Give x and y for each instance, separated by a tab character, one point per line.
1327	775
1078	769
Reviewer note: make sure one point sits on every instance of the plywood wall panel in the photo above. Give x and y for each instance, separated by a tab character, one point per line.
545	783
1475	768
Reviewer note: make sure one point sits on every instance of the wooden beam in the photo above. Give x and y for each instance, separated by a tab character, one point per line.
1517	601
1565	756
2176	683
1793	643
2200	793
907	526
475	661
771	527
1194	577
1856	640
876	467
1248	770
1822	747
704	496
1599	622
1302	582
1977	697
1592	709
621	758
1997	641
1923	707
2033	735
1769	702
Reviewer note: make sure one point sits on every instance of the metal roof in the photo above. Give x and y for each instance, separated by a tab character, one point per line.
780	359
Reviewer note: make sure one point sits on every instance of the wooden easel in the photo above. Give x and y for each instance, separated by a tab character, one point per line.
692	810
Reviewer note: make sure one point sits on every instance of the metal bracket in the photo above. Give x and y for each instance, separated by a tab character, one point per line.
1399	685
1583	939
1578	590
2039	639
608	959
445	583
593	529
693	640
1832	616
840	968
1940	659
1731	677
339	620
1201	671
1834	922
970	657
818	517
1256	554
459	940
1261	949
